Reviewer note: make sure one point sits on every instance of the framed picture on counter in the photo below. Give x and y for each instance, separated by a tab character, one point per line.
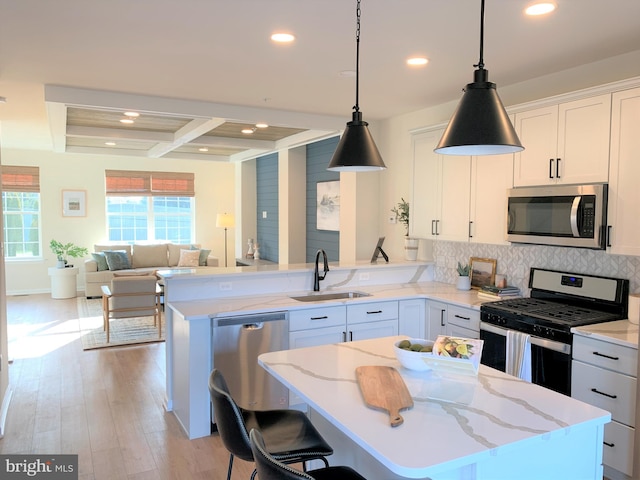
483	272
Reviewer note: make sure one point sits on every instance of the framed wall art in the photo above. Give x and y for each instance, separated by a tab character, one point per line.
483	271
328	206
74	203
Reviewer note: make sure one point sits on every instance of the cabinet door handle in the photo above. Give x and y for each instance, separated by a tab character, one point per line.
433	230
551	168
442	318
324	317
463	318
437	223
606	356
595	390
373	312
558	167
470	234
344	336
609	444
608	235
351	336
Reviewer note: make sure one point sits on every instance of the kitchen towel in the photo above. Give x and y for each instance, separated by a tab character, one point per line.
518	361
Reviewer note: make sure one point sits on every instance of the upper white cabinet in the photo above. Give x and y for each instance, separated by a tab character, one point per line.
624	194
441	191
566	143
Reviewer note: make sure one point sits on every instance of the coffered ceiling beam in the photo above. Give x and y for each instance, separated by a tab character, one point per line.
194	129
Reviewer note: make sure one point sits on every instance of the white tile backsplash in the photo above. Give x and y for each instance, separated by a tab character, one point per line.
514	261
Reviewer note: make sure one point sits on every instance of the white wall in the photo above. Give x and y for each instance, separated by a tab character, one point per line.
214	186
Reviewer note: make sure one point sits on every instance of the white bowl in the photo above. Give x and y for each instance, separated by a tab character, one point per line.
413	360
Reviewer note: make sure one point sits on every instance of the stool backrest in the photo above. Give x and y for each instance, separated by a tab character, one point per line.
229	419
269	468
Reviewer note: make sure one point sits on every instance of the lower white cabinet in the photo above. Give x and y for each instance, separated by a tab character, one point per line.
604	375
411	318
453	320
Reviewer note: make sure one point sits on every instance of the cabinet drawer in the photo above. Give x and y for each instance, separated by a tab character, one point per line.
605	354
605	389
464	317
317	318
618	447
372	312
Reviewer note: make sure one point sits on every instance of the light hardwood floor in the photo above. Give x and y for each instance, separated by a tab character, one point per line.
105	405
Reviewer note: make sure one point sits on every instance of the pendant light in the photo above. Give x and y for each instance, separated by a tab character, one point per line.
356	151
480	125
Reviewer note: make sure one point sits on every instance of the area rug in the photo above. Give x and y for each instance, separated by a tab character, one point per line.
124	331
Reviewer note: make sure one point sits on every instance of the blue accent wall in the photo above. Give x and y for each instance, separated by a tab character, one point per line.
318	157
267	201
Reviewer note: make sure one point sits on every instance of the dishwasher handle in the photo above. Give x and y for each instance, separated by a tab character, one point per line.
249	321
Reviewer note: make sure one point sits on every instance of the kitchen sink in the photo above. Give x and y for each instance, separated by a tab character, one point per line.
319	297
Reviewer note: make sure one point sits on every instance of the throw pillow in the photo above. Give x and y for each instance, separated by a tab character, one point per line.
101	260
204	254
189	258
117	259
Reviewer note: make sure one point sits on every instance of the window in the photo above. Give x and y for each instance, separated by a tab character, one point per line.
150	206
21	211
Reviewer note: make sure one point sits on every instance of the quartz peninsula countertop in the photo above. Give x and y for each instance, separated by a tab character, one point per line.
456	421
249	304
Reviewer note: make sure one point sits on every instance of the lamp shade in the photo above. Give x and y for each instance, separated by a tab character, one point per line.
225	220
356	151
480	124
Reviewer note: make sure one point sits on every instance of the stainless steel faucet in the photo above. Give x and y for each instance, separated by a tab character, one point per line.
316	273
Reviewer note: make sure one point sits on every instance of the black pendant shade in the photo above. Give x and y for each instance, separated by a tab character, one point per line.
480	124
356	151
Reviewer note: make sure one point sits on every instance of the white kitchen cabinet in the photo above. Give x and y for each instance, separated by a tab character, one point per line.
441	191
604	375
624	194
491	177
436	319
453	320
566	143
412	318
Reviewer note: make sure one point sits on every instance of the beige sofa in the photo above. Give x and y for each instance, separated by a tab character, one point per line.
140	259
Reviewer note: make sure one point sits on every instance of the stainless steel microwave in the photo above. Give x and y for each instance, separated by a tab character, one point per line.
565	215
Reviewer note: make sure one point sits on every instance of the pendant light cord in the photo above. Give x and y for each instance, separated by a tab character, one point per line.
480	64
356	108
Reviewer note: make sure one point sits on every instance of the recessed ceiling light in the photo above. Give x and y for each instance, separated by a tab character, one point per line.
203	149
247	131
131	114
417	61
128	121
261	125
281	37
540	8
111	144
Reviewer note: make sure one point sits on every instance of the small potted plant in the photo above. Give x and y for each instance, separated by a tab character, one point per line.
464	281
401	211
64	250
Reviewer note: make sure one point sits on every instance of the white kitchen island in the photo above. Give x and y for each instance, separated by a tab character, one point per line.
493	426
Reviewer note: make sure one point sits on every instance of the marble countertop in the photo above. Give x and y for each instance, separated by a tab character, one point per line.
620	332
282	301
456	420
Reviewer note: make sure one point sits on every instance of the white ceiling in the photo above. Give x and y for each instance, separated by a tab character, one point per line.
209	63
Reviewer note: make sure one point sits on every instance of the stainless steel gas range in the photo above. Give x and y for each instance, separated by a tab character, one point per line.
558	302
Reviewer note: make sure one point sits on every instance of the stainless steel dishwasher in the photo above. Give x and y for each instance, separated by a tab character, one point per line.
237	343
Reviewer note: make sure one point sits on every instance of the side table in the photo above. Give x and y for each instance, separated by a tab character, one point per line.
63	282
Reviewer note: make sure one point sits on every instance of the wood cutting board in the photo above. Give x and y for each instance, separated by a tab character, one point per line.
384	389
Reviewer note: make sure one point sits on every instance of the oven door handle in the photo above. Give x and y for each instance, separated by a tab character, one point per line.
537	341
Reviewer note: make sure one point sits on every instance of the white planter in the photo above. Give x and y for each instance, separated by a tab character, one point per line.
464	283
411	248
60	264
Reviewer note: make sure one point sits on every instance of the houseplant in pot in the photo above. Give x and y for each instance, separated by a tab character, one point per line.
65	250
464	281
402	215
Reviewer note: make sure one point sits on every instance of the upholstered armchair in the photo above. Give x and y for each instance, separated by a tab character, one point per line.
132	296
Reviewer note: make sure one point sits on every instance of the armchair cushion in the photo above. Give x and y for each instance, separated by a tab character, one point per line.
117	259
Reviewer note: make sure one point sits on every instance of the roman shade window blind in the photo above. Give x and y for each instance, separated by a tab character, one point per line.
20	179
134	183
